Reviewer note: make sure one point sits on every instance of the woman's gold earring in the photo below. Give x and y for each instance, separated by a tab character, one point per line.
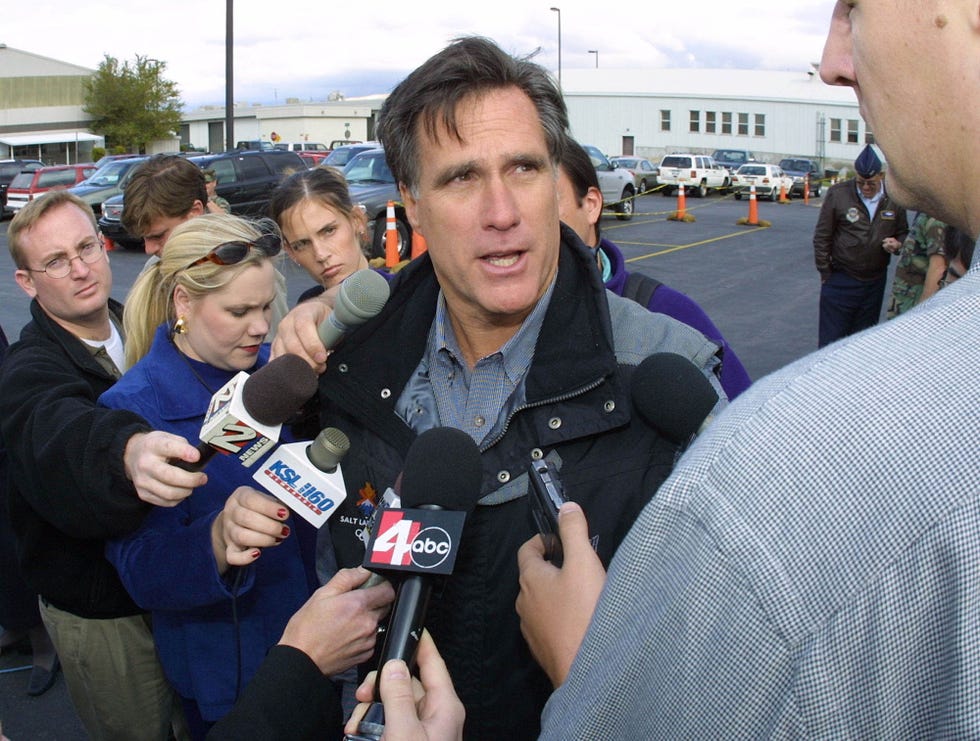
180	326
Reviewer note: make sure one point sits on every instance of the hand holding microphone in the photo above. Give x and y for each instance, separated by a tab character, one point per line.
556	604
250	521
316	326
440	484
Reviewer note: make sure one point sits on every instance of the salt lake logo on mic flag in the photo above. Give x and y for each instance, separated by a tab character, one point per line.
421	541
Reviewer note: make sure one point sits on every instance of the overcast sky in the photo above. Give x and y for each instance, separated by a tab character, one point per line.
293	49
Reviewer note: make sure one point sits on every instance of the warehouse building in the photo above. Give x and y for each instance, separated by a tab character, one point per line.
773	114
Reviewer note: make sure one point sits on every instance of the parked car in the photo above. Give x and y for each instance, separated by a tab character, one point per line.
26	186
246	179
616	184
733	158
302	147
248	145
338	143
372	185
766	178
107	181
643	170
798	168
312	159
342	155
9	169
698	174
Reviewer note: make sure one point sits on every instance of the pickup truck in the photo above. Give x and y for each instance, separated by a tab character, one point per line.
698	173
798	168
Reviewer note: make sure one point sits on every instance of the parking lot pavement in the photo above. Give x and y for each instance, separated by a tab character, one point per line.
758	285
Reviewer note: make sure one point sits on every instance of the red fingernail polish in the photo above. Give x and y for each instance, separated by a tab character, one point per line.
282	513
256	553
285	530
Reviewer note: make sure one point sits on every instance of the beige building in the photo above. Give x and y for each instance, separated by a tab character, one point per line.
41	114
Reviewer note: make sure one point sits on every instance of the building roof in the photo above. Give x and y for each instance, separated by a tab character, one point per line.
19	63
679	82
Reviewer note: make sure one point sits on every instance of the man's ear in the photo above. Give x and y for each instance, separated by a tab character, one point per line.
411	207
198	209
592	203
26	282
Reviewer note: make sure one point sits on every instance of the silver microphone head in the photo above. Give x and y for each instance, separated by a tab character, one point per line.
329	448
362	295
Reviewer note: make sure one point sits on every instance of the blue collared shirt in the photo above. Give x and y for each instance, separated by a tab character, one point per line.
444	392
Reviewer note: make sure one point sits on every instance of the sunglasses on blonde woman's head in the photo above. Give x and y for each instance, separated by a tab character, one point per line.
232	253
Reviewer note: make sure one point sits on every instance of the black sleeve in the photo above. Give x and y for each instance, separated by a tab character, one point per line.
64	452
288	699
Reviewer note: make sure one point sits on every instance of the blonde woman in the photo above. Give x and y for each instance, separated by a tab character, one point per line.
224	570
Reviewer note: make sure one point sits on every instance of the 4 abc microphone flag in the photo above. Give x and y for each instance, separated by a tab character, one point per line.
420	541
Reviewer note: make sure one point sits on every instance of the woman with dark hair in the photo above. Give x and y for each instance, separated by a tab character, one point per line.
322	228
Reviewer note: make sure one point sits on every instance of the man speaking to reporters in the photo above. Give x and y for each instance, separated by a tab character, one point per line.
503	330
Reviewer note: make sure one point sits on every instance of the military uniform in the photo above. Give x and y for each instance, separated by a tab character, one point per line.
926	238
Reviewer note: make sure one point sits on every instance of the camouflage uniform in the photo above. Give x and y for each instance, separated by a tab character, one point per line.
926	238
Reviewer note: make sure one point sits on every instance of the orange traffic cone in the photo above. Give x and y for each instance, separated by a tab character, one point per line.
782	192
806	189
418	245
681	203
391	237
753	207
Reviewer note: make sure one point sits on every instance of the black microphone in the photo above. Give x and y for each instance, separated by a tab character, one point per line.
362	295
673	396
442	474
246	414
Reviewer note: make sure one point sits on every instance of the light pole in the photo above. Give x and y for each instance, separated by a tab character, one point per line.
558	11
596	52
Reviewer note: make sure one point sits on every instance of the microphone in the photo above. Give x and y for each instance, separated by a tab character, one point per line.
440	484
362	295
245	415
673	396
306	476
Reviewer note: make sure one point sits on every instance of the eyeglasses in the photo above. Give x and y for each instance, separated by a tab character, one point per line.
60	267
232	253
867	183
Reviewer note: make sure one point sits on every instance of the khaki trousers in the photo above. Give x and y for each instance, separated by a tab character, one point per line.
114	677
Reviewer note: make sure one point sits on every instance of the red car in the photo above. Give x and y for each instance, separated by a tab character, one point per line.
27	186
312	158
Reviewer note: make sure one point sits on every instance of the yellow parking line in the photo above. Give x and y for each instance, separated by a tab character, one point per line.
677	248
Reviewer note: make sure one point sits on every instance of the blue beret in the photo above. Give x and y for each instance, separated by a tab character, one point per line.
867	164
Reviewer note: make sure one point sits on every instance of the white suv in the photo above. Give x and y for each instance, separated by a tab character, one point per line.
616	183
698	172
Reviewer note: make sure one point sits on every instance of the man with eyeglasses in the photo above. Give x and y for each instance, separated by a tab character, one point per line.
80	474
857	232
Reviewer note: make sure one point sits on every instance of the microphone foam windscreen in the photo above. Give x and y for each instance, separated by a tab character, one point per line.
277	390
442	468
672	395
362	295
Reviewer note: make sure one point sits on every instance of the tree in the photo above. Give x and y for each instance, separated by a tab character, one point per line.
132	104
